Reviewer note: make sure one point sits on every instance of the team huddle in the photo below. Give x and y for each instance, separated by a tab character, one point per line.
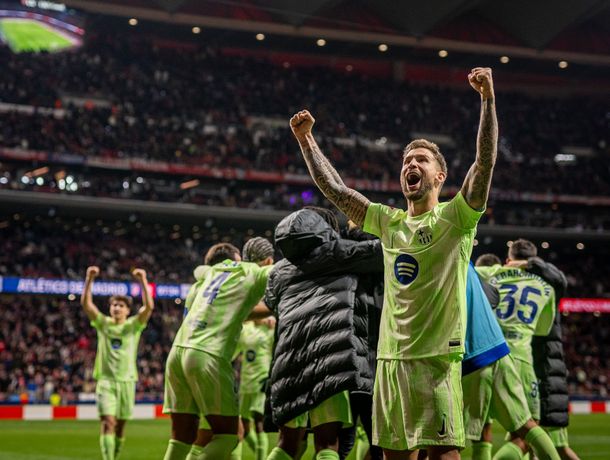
383	332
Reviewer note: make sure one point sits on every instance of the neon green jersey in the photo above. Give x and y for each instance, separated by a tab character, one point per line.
256	345
526	308
220	303
426	260
117	348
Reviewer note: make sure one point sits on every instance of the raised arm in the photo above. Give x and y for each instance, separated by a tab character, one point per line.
86	299
478	180
147	302
350	202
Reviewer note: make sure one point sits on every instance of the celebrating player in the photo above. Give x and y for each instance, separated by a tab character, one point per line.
526	308
115	362
199	378
492	386
426	251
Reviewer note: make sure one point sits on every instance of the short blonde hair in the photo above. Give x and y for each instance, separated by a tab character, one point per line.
432	147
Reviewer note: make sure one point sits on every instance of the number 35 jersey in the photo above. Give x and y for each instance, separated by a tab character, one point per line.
217	305
526	307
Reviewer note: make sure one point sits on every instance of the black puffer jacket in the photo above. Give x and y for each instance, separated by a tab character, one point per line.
549	362
313	292
370	291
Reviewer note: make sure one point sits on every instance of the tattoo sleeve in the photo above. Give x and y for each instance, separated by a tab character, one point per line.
352	203
478	180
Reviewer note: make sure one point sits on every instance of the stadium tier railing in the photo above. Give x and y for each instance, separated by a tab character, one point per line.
151	166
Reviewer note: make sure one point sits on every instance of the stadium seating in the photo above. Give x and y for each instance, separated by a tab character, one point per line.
121	101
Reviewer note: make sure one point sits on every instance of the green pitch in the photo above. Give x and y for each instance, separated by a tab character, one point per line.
28	35
145	440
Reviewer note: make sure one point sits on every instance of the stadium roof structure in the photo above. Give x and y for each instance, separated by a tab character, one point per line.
562	29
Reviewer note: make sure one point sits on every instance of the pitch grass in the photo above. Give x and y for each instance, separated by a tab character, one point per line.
147	439
27	35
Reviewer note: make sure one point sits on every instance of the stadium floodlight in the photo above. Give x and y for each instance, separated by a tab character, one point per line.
383	47
321	42
443	53
260	37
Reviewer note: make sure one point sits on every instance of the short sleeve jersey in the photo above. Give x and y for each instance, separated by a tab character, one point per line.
256	345
225	297
117	348
425	262
526	308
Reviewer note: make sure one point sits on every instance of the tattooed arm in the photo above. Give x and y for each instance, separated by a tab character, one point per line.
478	180
353	204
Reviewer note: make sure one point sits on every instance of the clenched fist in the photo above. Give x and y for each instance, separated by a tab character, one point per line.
93	272
301	124
481	80
139	274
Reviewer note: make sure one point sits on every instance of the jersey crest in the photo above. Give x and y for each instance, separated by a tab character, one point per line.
424	235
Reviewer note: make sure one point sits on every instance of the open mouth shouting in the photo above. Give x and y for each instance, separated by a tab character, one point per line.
413	181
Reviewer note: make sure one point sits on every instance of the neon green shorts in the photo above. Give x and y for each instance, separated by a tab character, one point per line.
530	385
197	382
115	398
494	391
334	409
559	435
418	403
251	402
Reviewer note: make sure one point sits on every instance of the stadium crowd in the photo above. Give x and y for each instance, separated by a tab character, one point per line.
57	247
202	107
47	346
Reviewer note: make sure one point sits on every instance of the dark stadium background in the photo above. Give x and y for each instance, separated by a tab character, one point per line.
167	131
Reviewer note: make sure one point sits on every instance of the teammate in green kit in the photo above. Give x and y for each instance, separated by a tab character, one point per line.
256	346
199	378
526	308
418	393
115	362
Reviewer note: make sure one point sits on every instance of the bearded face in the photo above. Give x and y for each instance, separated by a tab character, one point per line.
420	174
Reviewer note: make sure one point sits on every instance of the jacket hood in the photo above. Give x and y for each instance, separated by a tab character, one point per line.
301	232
